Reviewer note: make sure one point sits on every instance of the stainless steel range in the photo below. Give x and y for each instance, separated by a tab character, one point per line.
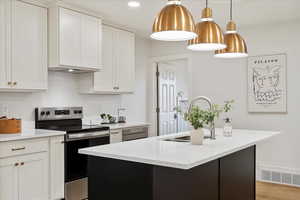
78	136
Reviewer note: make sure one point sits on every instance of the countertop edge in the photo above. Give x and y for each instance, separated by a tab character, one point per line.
42	134
177	165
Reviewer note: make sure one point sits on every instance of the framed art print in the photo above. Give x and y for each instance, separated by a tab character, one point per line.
267	91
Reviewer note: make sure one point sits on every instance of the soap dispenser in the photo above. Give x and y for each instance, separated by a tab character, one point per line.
227	130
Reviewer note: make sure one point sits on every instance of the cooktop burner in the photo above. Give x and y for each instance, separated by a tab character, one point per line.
67	119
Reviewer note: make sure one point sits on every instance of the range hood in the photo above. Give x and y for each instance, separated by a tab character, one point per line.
74	69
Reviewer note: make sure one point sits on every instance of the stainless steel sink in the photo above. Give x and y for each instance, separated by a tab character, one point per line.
182	139
179	139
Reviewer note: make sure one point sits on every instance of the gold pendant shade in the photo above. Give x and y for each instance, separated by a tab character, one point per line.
236	45
210	34
174	23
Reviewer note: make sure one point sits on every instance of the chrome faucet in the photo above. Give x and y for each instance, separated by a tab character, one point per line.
212	125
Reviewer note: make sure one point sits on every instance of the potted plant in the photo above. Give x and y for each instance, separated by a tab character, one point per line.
200	118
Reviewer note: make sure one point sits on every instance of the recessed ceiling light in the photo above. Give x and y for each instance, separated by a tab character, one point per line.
134	4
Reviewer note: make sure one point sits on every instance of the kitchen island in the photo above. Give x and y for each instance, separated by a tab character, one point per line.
156	169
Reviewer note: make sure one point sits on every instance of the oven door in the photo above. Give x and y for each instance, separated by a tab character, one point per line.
76	164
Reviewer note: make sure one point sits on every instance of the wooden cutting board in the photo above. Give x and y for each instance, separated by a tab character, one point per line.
10	126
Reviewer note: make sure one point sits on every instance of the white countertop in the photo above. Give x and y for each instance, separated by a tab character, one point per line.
180	155
30	134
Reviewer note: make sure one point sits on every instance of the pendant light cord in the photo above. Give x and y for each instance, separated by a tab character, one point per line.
206	3
230	10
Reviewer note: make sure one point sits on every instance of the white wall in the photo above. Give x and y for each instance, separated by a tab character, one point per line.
63	92
227	79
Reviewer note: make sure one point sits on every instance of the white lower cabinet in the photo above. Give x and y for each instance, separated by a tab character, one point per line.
24	177
33	176
25	172
57	168
8	179
116	136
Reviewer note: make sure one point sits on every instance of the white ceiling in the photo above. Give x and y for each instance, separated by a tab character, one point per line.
246	12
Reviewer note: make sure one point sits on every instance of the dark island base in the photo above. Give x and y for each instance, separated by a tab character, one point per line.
229	178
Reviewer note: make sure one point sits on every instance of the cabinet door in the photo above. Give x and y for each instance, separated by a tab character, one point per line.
116	136
57	167
8	179
70	37
125	75
4	41
104	79
237	173
91	41
29	46
33	177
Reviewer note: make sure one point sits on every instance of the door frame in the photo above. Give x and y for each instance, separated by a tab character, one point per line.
153	87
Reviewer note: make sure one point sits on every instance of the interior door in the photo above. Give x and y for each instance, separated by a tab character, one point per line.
29	46
91	41
125	70
33	177
8	179
70	37
167	99
5	77
104	79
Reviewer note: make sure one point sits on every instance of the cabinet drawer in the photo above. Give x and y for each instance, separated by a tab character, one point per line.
135	130
135	136
21	147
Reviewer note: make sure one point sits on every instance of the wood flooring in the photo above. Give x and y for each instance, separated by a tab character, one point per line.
270	191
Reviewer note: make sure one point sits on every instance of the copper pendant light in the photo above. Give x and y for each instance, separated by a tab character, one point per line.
236	45
174	23
210	35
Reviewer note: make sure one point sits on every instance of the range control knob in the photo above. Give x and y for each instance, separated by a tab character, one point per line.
42	113
48	113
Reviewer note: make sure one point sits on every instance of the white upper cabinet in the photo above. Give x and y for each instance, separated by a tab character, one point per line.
104	80
75	40
4	29
70	37
23	33
91	42
125	70
29	46
118	72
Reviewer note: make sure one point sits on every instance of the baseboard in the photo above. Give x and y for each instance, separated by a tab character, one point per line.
278	175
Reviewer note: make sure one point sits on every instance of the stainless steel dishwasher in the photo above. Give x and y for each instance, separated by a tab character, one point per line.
135	133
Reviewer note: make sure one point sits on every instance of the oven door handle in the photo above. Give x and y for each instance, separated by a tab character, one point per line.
79	136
